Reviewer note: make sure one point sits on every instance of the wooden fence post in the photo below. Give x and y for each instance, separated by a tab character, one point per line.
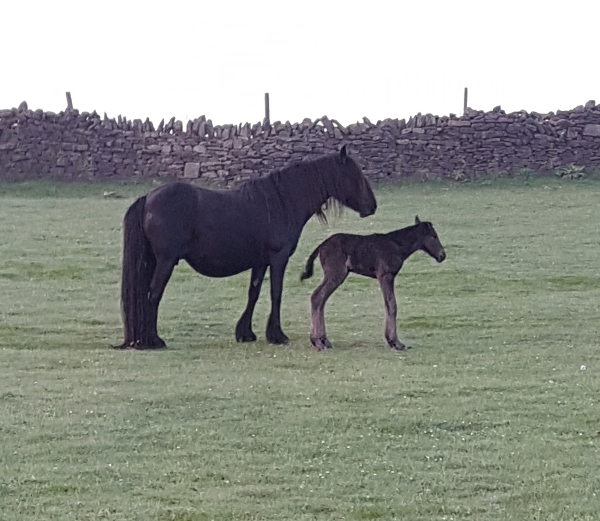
465	102
267	111
69	101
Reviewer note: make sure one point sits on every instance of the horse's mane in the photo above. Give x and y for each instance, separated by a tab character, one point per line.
301	185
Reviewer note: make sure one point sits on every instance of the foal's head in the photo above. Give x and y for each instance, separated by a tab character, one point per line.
431	241
352	187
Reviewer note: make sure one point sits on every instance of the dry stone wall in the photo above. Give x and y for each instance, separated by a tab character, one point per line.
83	145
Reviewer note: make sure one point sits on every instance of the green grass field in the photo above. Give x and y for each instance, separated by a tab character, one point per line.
489	417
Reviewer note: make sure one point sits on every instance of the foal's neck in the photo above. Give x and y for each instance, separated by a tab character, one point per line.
407	239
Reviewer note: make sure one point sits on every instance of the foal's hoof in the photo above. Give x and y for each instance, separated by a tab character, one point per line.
398	346
321	343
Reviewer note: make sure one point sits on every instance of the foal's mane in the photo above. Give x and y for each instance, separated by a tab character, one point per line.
302	185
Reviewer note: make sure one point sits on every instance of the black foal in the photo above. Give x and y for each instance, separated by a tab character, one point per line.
378	256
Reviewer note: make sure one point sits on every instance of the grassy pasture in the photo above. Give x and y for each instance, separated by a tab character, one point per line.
489	417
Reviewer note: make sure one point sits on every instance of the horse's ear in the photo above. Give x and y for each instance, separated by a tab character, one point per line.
343	155
417	220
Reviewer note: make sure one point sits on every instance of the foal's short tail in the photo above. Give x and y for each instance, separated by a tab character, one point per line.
308	271
138	267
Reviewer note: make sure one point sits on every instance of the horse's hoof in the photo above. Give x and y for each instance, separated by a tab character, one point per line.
245	337
160	344
276	336
279	340
155	343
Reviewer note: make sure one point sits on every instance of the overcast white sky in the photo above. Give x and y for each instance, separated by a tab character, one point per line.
344	59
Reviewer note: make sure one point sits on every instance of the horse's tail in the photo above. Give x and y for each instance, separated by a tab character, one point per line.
308	270
138	266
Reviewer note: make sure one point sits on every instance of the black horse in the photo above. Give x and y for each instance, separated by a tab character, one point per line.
222	233
378	256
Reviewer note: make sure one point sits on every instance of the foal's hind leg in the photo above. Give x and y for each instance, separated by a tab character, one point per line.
243	330
333	279
386	283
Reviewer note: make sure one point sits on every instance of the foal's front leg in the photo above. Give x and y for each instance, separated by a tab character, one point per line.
243	330
386	282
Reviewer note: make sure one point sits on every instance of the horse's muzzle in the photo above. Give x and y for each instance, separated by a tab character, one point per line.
368	212
441	256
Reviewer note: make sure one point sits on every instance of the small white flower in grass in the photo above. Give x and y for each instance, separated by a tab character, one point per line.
583	367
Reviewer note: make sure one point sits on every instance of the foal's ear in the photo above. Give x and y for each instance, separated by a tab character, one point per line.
343	155
417	220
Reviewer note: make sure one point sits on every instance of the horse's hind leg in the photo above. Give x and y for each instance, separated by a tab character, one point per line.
162	274
333	279
386	283
243	330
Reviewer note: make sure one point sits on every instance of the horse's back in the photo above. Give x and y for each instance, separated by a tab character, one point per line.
172	196
169	214
215	231
185	204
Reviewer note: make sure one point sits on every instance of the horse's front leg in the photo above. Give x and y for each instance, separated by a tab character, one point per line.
243	330
274	333
386	282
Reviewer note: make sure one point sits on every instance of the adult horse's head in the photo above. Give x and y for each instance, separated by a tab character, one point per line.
352	189
431	241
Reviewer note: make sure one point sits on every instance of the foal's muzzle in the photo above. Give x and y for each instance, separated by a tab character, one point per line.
441	256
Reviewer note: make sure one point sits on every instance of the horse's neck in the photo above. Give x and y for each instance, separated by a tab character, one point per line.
299	194
293	197
313	192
